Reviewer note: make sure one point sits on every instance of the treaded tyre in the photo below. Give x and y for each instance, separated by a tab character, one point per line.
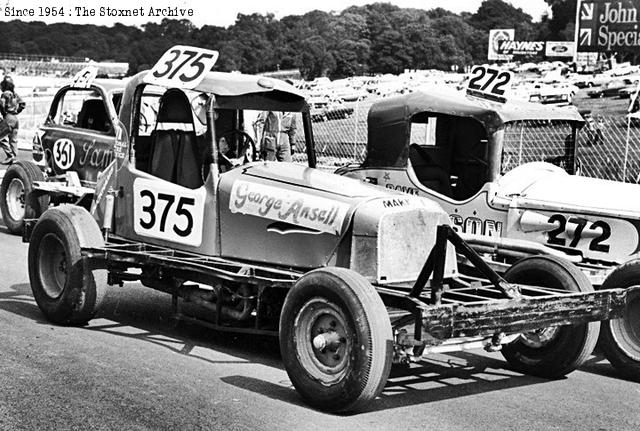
620	338
554	351
65	288
335	339
16	200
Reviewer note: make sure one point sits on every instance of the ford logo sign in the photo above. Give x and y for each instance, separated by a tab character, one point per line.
560	49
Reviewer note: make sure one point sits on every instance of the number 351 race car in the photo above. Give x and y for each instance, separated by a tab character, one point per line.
350	277
70	149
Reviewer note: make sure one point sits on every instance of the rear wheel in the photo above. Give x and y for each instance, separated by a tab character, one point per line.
16	199
335	339
620	338
64	287
554	351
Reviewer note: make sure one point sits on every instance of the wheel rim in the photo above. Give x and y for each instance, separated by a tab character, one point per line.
540	337
52	265
16	199
626	331
322	340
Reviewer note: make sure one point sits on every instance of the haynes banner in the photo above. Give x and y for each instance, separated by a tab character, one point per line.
520	47
496	36
608	25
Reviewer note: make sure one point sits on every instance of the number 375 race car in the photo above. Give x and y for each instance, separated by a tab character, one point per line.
352	278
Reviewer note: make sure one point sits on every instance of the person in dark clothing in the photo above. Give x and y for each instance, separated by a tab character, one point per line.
10	106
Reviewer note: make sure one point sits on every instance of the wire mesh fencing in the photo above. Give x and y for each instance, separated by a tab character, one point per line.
607	147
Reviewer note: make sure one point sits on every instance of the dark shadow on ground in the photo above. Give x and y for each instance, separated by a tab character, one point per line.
443	377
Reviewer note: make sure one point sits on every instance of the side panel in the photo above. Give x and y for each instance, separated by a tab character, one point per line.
595	236
473	216
71	149
267	221
159	212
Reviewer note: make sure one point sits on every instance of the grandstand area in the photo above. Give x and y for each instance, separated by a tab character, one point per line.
57	66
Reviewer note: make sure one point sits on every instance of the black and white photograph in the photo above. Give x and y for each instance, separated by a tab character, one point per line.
337	215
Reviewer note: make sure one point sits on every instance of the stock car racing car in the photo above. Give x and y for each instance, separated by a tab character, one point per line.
455	148
73	145
351	277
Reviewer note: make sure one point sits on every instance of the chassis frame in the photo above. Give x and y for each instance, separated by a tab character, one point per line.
424	315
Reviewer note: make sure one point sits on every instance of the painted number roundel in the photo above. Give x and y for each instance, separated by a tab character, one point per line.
182	67
64	153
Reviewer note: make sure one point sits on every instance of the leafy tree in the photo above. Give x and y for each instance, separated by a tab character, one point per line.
562	23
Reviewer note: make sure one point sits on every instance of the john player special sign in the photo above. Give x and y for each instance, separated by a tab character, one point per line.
608	26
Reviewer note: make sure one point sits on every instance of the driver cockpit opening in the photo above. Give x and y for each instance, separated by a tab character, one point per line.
172	142
449	154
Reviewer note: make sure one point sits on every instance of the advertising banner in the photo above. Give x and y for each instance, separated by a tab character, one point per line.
608	25
560	49
495	37
520	47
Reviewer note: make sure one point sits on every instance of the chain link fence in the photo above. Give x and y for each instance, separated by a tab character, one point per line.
607	147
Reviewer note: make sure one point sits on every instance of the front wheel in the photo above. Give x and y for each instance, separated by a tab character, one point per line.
620	338
335	339
558	350
67	291
17	201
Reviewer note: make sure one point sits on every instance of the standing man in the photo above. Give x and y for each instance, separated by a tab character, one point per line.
276	137
10	106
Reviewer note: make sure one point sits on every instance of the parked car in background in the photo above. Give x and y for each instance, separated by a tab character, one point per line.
330	110
610	89
588	81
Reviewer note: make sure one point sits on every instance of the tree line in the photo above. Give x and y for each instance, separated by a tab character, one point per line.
360	40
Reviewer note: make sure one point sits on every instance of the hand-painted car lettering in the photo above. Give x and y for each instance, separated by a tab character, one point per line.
476	226
581	224
289	206
395	203
180	211
401	188
98	158
288	210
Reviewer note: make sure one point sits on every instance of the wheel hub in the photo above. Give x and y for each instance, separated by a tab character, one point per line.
16	199
322	340
539	337
53	265
626	331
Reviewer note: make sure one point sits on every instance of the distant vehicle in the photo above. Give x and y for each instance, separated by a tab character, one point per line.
553	94
610	89
70	149
588	81
331	110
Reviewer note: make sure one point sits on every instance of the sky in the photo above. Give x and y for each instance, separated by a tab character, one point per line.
212	12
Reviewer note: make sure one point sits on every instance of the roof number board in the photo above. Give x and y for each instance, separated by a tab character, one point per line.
85	77
489	83
182	67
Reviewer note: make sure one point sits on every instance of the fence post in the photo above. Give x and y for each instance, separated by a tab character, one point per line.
626	152
520	143
355	130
